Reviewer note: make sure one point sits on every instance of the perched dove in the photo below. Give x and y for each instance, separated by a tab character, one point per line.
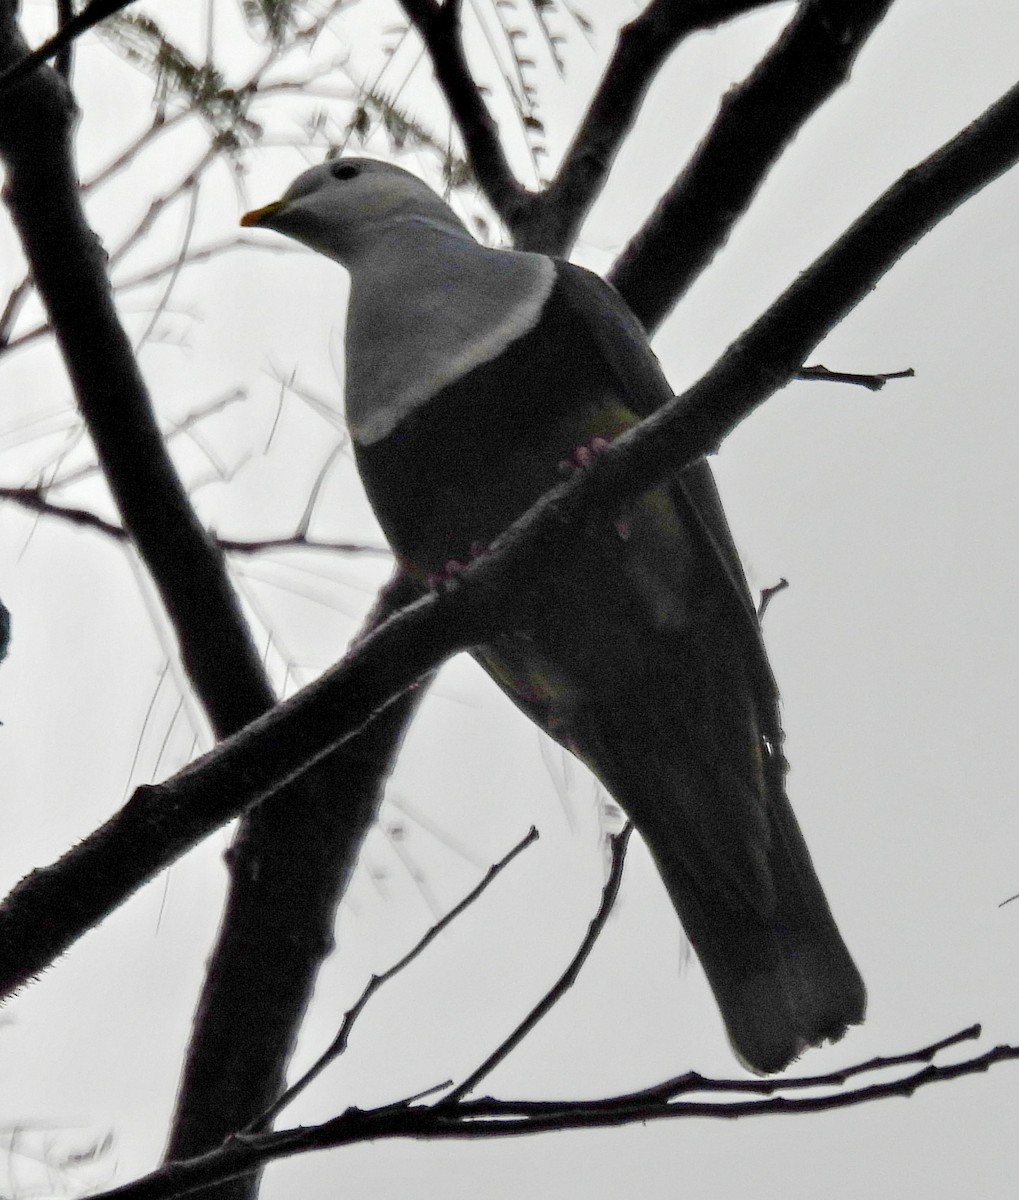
472	375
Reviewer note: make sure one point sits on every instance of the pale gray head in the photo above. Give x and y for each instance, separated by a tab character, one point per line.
341	208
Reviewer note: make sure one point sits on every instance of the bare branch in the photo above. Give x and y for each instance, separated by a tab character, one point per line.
18	296
483	1119
339	1043
756	121
65	55
873	383
69	272
161	123
553	219
291	860
300	541
768	594
439	28
34	500
93	12
187	183
176	267
152	275
39	919
563	984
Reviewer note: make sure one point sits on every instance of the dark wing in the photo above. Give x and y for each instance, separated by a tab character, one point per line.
624	344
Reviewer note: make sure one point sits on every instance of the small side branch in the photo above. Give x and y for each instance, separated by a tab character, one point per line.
34	500
439	29
339	1043
768	594
483	1119
72	28
568	978
873	383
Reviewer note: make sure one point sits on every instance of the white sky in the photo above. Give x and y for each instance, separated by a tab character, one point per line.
892	515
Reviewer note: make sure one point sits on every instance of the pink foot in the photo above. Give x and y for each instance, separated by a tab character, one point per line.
584	456
453	568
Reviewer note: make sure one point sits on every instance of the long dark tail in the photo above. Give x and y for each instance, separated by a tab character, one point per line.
781	974
668	697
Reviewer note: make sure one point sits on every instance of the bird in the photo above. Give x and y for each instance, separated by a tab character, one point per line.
475	376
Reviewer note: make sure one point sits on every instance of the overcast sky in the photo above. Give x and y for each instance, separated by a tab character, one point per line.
893	516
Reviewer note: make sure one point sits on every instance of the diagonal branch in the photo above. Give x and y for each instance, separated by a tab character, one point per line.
291	860
37	922
439	29
23	66
340	1041
552	221
568	978
757	120
33	499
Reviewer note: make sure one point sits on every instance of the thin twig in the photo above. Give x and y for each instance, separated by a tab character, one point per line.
693	1083
768	594
15	301
187	183
439	29
175	267
568	978
33	499
484	1119
873	383
150	275
339	1043
300	542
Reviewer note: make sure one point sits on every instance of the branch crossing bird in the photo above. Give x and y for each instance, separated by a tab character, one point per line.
471	374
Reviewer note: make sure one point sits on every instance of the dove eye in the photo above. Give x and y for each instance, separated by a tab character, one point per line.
344	170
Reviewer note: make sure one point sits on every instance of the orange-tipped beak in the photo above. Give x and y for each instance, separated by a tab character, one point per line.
258	215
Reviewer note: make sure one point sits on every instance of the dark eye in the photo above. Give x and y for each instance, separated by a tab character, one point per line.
343	170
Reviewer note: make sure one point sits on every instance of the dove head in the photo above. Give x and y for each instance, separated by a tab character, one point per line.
344	207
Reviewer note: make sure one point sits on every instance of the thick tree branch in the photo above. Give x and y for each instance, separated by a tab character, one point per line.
53	906
757	120
292	858
68	268
551	221
495	592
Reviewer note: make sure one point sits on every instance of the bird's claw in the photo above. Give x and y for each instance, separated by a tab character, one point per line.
454	568
583	456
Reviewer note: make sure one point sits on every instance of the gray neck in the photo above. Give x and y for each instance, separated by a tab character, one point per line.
428	304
